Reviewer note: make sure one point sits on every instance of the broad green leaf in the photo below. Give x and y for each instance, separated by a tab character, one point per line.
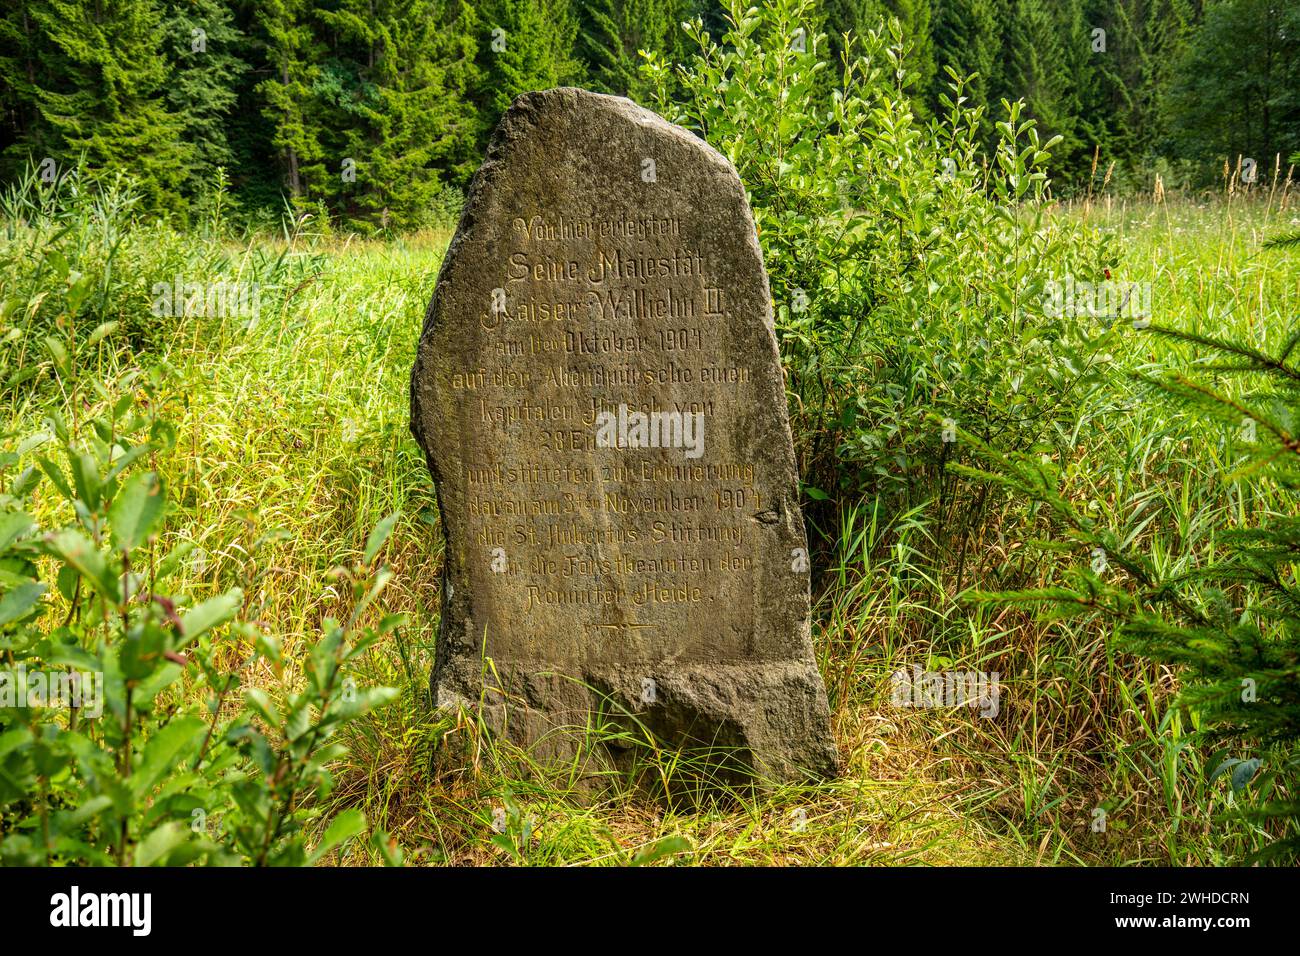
662	849
209	614
388	848
19	602
1244	771
261	702
360	701
12	739
67	581
58	262
78	289
24	482
92	807
12	526
136	510
23	374
165	751
102	330
57	352
121	463
78	551
379	534
155	683
55	474
70	655
172	561
85	477
346	825
155	847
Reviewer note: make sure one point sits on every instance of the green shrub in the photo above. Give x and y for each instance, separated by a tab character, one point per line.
164	750
907	269
79	260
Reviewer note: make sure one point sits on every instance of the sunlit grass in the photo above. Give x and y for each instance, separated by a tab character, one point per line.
292	441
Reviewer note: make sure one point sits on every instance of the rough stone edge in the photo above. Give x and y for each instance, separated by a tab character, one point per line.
820	757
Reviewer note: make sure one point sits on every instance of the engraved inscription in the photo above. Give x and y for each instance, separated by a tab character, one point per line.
608	343
599	395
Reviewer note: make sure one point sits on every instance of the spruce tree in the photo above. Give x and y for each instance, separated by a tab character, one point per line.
205	53
1237	86
602	47
613	32
292	54
21	61
966	39
102	96
409	124
526	45
1035	70
1226	615
1083	53
916	17
1132	76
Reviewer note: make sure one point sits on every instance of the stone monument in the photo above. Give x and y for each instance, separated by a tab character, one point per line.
599	397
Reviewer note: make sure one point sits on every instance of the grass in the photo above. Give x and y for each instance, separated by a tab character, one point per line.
292	443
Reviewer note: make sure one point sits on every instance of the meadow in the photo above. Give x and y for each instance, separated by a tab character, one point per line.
291	443
209	496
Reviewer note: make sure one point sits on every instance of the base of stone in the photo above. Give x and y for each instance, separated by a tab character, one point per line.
767	721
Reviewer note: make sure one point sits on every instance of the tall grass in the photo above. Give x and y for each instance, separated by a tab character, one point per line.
292	442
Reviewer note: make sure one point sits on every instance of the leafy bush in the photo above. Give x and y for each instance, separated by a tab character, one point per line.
907	269
79	260
155	760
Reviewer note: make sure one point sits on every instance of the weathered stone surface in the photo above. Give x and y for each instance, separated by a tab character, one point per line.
606	266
